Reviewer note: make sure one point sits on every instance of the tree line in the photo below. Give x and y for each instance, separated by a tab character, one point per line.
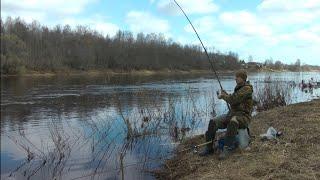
31	46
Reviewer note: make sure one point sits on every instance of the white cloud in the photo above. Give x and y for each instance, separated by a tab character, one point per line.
289	20
96	22
58	7
315	29
275	28
189	6
292	18
284	13
246	23
288	5
203	25
52	12
183	40
106	28
26	16
287	34
145	22
303	38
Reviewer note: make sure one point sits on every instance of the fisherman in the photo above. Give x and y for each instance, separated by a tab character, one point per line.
238	117
303	84
312	83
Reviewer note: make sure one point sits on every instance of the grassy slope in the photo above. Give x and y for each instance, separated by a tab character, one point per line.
296	155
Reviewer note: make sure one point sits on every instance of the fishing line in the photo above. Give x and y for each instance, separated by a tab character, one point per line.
205	50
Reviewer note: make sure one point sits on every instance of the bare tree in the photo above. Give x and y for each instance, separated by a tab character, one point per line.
35	47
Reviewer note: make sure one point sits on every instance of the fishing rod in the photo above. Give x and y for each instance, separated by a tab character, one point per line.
205	50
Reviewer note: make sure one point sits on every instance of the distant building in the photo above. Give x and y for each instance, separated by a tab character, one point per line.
255	65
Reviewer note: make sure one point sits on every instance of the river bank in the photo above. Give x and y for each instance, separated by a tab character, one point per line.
30	73
109	72
295	155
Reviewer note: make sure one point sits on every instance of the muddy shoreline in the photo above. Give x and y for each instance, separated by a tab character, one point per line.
295	155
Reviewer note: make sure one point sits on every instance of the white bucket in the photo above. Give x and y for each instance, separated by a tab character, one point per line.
243	138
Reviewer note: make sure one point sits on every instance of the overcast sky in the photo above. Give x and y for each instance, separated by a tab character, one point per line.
282	29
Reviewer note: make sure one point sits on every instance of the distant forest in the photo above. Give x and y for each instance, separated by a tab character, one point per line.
35	47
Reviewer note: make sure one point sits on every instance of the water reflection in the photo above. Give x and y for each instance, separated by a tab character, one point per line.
110	127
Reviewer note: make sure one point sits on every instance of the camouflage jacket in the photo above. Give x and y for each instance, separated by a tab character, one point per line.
240	101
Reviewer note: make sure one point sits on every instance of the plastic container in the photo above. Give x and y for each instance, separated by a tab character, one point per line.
243	138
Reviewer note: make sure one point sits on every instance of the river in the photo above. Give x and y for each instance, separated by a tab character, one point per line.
112	127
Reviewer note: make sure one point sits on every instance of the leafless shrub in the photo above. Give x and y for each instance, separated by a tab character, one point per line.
159	115
272	94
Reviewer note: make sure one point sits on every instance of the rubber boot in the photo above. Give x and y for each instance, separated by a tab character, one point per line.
209	147
230	146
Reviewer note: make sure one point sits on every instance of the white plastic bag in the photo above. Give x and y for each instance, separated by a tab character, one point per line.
271	134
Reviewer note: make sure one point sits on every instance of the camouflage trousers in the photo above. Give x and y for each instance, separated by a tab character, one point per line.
232	123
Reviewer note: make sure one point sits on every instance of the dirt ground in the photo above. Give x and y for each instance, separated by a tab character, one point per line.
294	155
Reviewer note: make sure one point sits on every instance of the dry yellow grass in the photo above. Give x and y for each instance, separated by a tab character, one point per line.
295	155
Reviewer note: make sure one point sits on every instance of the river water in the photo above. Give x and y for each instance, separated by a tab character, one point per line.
112	127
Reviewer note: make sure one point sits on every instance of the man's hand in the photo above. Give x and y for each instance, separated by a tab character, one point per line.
223	94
